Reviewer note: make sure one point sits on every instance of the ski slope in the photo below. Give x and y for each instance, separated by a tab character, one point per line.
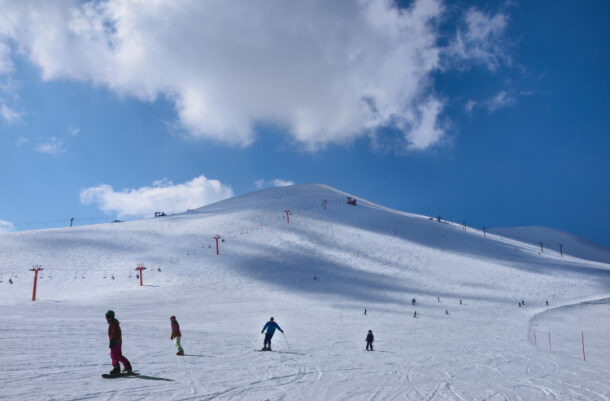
363	256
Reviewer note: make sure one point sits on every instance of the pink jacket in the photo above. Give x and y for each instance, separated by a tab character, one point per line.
175	329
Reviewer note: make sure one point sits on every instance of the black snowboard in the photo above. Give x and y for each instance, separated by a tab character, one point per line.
126	374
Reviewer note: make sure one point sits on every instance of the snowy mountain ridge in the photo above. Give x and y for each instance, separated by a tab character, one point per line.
440	298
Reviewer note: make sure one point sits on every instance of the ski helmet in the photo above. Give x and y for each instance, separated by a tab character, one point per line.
172	317
271	318
110	314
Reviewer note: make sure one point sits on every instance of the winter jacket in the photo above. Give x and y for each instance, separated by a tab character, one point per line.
114	332
175	329
369	338
271	326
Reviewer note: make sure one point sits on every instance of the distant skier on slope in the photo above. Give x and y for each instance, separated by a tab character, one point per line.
369	340
270	326
176	335
116	354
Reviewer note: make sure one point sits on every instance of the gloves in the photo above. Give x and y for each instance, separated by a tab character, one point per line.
111	344
262	332
171	338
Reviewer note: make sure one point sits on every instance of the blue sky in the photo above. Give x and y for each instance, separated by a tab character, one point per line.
493	113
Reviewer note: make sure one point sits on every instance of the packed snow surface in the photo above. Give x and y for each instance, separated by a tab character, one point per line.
464	338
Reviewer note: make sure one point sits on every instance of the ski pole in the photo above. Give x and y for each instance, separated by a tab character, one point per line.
286	340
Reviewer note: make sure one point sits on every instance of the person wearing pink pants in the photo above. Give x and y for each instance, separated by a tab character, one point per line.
116	354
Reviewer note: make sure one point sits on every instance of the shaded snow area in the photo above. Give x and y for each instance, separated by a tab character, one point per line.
557	241
315	275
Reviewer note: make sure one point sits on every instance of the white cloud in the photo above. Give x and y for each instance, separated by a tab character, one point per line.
73	130
470	105
163	196
21	141
272	183
425	130
502	99
480	41
53	147
327	71
8	114
6	65
6	226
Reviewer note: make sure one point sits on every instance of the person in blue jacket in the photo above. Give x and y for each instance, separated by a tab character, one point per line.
270	326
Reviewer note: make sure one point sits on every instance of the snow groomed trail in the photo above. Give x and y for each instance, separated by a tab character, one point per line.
315	275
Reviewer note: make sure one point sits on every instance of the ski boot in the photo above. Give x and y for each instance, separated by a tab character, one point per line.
116	370
128	368
180	353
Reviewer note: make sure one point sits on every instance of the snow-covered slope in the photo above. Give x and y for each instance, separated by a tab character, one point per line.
552	238
315	274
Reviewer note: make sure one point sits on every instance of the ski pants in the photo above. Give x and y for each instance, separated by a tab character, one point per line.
177	344
117	356
267	343
369	344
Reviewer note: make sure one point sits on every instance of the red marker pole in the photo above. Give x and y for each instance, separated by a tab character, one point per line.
324	202
35	269
140	268
217	237
582	336
288	216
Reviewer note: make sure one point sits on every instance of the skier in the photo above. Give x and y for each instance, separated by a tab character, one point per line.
369	340
114	335
413	301
176	335
415	314
270	326
365	311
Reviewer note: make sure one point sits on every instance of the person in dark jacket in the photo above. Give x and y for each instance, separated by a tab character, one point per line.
369	341
176	335
116	354
270	326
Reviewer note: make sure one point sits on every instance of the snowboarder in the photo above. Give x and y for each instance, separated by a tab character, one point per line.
519	304
446	312
369	340
460	302
415	314
365	311
523	302
114	335
270	326
176	335
547	303
438	299
413	301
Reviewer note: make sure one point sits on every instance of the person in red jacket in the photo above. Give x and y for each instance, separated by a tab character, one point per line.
114	335
176	335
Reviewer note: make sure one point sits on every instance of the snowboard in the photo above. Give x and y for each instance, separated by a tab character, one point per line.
126	374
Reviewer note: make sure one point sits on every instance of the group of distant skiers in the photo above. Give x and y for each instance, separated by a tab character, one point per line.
114	335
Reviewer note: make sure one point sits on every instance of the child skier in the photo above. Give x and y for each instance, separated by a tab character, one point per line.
369	340
114	335
176	335
270	326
